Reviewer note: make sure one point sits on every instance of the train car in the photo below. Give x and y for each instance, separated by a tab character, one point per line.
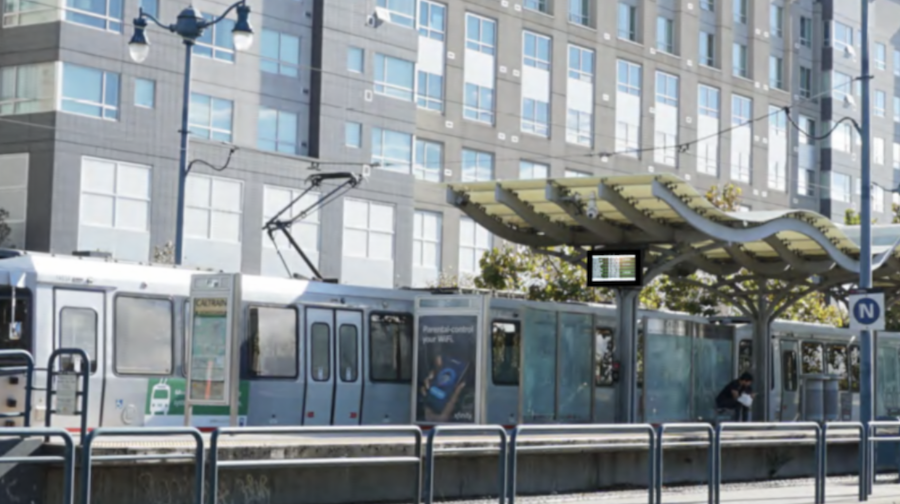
316	353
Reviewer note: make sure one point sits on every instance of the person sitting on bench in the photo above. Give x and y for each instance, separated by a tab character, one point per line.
732	397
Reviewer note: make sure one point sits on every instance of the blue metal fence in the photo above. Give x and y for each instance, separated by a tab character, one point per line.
710	453
67	458
84	393
465	429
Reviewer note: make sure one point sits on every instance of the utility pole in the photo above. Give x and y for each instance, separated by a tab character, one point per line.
866	386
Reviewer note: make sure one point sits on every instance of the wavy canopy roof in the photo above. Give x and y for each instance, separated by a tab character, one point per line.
667	214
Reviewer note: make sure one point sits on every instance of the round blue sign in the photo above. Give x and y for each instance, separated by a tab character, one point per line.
866	311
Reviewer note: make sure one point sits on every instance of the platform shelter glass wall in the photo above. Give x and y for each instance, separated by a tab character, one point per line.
557	372
887	378
685	365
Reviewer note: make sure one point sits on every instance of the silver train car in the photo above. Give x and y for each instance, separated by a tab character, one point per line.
325	354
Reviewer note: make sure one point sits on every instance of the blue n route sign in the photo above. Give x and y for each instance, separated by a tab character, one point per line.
867	311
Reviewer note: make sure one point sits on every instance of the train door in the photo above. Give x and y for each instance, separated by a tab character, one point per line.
15	334
80	322
333	386
790	380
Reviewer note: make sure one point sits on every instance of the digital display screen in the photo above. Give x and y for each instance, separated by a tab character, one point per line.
614	269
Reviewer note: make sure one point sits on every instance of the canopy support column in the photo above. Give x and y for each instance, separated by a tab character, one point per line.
626	348
762	359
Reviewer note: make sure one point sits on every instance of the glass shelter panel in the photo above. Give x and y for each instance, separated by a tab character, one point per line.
887	380
667	371
539	367
575	369
713	364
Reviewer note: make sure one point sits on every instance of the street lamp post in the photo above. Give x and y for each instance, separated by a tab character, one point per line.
189	26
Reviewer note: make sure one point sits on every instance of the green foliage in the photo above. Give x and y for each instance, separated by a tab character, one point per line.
4	227
544	277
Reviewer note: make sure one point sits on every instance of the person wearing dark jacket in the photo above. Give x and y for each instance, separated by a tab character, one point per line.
728	397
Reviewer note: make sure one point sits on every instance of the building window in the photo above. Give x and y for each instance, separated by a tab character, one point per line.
842	138
896	109
403	12
579	127
150	7
480	34
477	166
216	42
776	71
391	150
27	89
665	35
806	30
580	12
843	35
529	170
841	85
878	150
90	92
429	159
211	118
279	53
144	342
368	230
474	241
305	231
895	160
115	195
431	20
535	117
880	56
740	11
877	199
777	149
776	20
355	59
430	91
102	14
896	62
666	125
707	49
144	93
627	22
628	120
427	228
805	82
479	104
277	131
536	5
840	187
576	174
709	102
213	209
806	182
581	64
666	89
353	135
708	148
741	120
880	103
629	78
739	58
536	52
394	77
708	5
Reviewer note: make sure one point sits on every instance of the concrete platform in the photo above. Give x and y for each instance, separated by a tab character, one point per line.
465	467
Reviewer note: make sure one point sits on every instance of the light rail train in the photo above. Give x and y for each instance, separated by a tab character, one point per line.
315	353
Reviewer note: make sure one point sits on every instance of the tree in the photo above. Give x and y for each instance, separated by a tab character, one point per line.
5	230
164	254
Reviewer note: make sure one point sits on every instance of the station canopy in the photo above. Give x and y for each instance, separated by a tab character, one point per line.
675	224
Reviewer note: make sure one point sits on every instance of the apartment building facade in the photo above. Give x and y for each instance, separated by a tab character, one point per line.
426	92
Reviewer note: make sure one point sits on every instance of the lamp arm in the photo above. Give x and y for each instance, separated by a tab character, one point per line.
206	24
145	15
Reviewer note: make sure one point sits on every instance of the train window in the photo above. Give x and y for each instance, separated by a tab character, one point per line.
837	364
390	347
789	370
506	341
745	357
854	367
813	357
349	353
273	342
605	350
15	333
144	339
78	329
320	351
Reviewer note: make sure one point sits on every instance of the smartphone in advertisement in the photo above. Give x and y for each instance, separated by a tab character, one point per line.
444	383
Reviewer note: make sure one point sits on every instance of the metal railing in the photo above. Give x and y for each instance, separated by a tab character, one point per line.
88	458
84	374
215	464
465	429
514	449
67	458
710	453
7	370
823	453
749	426
871	440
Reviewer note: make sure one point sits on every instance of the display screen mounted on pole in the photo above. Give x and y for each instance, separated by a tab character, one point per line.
620	268
447	370
212	378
